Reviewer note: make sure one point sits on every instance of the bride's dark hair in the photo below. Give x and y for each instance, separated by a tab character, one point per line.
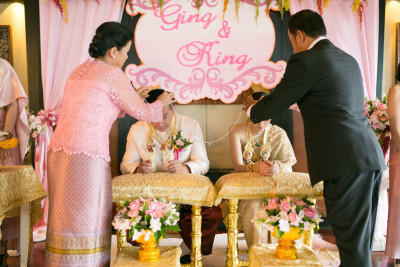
258	95
398	73
108	35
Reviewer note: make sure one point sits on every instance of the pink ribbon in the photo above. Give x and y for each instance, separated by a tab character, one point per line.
176	153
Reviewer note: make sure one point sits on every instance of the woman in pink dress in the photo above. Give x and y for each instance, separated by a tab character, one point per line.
13	123
79	175
393	230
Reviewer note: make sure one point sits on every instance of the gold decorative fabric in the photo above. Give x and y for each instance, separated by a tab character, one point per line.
19	185
250	185
191	189
129	257
329	257
263	256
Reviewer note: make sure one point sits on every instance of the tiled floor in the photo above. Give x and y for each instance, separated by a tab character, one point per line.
215	260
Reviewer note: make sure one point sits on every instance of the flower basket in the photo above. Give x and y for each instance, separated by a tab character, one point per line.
287	218
147	221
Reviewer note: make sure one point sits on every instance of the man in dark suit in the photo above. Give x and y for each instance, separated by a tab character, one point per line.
342	150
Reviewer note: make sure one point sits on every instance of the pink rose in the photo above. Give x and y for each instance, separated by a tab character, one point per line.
123	211
134	205
133	213
299	202
275	200
35	134
309	212
271	205
293	217
285	205
159	213
179	143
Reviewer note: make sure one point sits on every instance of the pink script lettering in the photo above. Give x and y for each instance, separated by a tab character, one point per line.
195	53
172	17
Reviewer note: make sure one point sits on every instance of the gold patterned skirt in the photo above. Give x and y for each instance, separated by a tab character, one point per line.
80	205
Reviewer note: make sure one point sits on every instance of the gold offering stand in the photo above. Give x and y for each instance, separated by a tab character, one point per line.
190	189
252	185
20	194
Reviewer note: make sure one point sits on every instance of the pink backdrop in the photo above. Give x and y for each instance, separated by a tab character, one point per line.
199	54
63	47
344	31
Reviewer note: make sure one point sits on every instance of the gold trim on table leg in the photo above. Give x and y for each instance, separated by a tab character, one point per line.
232	253
196	255
307	238
1	221
121	240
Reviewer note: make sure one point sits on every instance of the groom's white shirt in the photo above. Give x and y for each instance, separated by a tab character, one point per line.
194	156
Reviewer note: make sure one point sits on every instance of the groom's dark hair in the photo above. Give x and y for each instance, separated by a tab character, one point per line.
154	94
309	22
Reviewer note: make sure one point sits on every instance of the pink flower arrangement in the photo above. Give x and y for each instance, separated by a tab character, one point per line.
376	112
41	123
179	143
288	212
141	214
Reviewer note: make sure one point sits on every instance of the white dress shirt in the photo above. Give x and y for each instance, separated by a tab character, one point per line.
194	156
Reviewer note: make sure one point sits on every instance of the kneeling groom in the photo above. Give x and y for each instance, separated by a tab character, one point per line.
139	158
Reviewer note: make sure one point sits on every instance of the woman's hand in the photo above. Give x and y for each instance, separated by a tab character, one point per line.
267	168
143	91
167	98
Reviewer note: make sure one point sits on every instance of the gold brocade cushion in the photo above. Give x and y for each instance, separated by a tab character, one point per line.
129	257
264	256
179	188
252	185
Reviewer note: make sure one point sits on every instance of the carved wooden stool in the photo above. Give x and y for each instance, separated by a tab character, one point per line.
190	189
252	185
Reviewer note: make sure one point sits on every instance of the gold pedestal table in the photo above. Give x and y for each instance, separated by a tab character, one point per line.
20	194
189	189
252	185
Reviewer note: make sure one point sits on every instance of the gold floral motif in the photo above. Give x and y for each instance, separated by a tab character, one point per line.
286	249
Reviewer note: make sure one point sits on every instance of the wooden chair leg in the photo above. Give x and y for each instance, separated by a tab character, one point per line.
196	255
232	253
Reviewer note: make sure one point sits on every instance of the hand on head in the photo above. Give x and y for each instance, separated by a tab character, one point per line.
167	98
143	91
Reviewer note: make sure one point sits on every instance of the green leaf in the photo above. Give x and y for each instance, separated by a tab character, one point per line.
173	228
280	234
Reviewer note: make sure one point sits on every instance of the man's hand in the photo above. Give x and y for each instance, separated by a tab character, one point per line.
249	101
145	166
143	91
175	166
267	168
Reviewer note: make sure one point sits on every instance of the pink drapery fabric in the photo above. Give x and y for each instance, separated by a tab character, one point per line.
63	47
343	30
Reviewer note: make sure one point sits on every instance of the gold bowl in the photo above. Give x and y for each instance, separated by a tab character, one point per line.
149	251
286	249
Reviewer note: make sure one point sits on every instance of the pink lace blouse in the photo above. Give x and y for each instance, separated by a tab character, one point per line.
95	95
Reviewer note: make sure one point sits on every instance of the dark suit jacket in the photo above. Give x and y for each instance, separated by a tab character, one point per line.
327	85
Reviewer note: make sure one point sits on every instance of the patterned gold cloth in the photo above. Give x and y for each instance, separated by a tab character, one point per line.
19	185
129	257
252	185
191	189
263	256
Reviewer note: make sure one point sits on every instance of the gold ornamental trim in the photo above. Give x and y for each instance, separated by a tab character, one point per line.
77	251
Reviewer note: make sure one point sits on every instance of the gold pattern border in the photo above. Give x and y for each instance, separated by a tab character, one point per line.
77	251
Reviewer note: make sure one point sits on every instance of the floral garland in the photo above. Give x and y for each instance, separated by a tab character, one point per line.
265	149
151	136
40	123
